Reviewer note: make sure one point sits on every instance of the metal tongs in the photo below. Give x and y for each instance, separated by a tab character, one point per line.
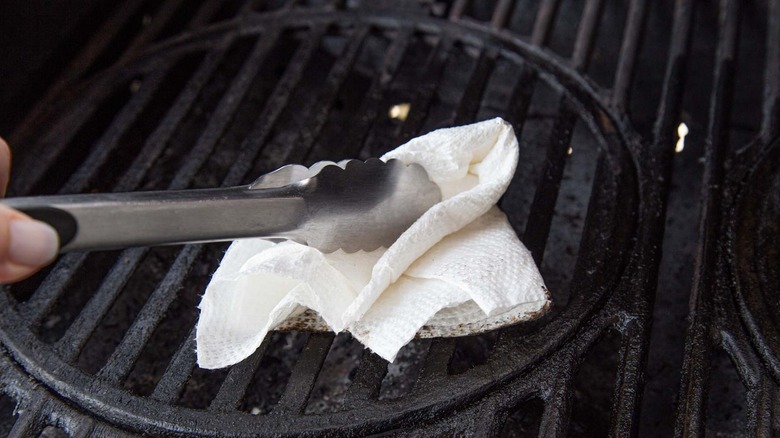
352	205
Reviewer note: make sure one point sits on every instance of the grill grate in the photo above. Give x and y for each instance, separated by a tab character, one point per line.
217	91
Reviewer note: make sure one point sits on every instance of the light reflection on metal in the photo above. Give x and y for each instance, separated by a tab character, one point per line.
682	131
399	112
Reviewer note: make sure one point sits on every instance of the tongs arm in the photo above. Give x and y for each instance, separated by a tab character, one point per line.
120	220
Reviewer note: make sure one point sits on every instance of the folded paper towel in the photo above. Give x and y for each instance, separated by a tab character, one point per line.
458	269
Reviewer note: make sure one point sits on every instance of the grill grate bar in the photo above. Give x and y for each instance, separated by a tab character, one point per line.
542	209
696	363
155	144
597	258
501	13
521	98
586	33
488	418
760	406
720	105
123	358
367	381
206	11
369	109
457	9
158	21
171	383
78	67
53	286
290	4
76	424
517	112
437	361
238	379
85	428
52	144
79	331
770	123
222	115
674	80
472	97
23	425
629	51
304	374
759	387
30	419
557	409
109	141
423	98
544	22
774	394
626	399
321	109
276	104
248	7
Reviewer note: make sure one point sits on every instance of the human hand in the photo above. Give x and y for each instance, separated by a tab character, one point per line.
26	245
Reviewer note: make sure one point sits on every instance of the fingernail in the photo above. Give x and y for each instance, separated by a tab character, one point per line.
33	243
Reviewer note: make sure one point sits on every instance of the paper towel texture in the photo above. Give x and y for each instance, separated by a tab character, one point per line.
458	269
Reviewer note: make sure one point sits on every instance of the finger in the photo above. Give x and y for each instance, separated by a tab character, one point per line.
11	272
25	245
5	165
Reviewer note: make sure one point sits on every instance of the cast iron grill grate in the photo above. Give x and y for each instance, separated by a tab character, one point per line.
103	344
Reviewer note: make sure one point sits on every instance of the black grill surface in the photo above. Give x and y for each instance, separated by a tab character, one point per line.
663	264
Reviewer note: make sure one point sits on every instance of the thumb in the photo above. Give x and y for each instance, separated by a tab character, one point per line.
25	245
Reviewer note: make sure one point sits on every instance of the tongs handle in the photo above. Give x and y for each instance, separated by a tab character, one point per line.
121	220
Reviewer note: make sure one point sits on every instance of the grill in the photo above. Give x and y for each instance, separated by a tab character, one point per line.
174	94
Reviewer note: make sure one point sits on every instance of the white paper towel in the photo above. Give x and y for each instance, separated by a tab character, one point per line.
458	269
